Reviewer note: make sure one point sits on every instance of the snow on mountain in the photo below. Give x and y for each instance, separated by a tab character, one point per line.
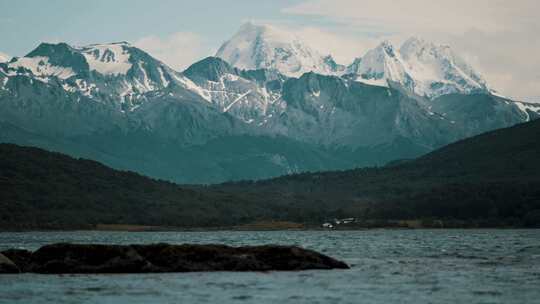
4	57
438	70
379	65
530	110
41	66
251	96
267	47
108	59
116	73
420	66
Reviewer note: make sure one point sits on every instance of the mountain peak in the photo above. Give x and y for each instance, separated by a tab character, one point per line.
421	66
211	68
111	72
386	44
52	59
48	49
108	59
387	47
416	46
415	40
266	31
252	27
249	26
257	46
110	44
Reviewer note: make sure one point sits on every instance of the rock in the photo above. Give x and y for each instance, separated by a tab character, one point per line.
74	258
7	266
22	258
189	258
180	258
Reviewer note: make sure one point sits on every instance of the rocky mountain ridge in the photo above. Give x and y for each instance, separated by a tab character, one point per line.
215	122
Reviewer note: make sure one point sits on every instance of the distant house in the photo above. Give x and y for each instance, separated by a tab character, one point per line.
344	221
348	220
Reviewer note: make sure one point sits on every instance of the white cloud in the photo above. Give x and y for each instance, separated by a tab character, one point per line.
343	47
449	16
4	57
178	50
342	44
508	59
499	37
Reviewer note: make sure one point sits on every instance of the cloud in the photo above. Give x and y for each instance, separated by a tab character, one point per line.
449	16
4	57
508	59
498	37
178	50
343	44
343	47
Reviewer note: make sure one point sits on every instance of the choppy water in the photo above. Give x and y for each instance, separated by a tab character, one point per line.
388	266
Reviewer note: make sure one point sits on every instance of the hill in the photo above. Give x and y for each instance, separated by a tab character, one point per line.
40	189
492	179
489	180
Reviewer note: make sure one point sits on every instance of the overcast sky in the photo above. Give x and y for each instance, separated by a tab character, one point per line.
500	38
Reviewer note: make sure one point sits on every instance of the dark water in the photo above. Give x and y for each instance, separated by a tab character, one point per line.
388	266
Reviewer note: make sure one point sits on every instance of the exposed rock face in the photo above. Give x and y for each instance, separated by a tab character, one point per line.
75	258
7	266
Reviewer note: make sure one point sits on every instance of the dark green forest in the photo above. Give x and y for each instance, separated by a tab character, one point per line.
491	180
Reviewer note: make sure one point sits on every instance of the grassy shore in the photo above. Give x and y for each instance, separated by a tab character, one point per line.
286	226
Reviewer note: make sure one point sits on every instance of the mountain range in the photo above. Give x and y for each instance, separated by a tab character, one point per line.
266	105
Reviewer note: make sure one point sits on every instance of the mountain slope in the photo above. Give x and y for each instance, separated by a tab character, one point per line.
40	189
252	96
341	111
493	178
510	153
488	180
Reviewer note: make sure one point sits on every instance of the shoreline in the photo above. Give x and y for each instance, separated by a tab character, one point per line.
361	225
349	224
234	229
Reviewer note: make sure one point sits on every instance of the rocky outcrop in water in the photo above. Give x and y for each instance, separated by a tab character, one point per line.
156	258
7	266
20	257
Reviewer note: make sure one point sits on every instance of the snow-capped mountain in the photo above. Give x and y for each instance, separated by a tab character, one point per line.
379	65
422	67
266	47
117	73
337	111
215	121
4	57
